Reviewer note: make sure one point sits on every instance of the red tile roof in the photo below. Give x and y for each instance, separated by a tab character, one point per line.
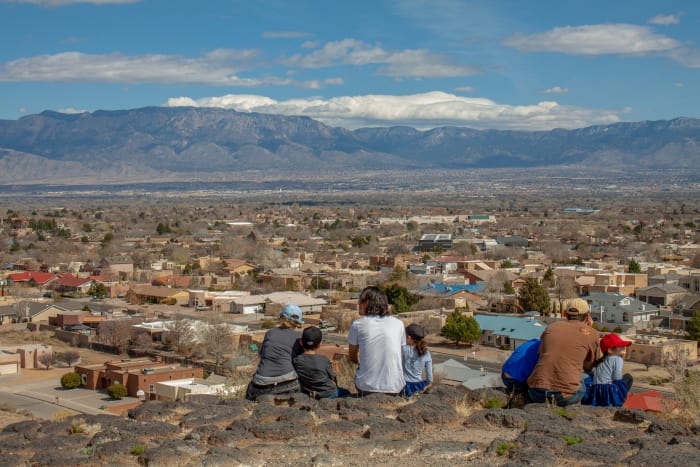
68	280
38	277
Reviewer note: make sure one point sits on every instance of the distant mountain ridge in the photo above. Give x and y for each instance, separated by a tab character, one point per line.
173	142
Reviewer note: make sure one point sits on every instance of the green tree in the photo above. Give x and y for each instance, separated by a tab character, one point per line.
117	391
97	289
533	296
634	267
400	298
506	263
70	380
508	288
459	327
693	327
549	276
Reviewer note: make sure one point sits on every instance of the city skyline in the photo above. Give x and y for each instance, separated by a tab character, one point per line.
497	65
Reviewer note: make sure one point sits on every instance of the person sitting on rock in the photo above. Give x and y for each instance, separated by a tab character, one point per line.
316	376
518	367
275	373
375	342
416	361
608	386
567	349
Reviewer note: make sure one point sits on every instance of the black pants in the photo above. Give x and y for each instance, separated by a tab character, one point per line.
255	390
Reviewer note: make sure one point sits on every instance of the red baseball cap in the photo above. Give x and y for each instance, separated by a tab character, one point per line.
611	341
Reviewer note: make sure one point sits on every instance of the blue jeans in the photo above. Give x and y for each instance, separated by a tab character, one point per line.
545	395
339	392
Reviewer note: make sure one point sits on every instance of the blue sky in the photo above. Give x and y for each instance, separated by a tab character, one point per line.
509	64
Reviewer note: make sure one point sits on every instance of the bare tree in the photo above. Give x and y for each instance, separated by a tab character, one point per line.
217	341
115	333
676	363
180	336
564	288
69	357
47	359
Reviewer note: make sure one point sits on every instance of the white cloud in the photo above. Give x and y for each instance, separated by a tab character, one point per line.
679	84
426	110
58	3
597	39
686	57
219	68
23	110
665	20
556	90
416	63
465	89
284	34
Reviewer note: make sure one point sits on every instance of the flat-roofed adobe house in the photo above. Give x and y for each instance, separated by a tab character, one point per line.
153	294
118	266
137	374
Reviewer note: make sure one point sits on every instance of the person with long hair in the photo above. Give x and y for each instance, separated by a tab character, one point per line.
375	342
416	361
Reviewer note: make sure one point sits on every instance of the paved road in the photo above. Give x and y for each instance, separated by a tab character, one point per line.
37	408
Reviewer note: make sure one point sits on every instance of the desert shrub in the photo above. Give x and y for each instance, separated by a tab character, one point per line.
504	448
138	449
70	380
267	324
688	396
117	391
571	440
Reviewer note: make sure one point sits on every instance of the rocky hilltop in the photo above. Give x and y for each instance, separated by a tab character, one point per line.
444	427
159	143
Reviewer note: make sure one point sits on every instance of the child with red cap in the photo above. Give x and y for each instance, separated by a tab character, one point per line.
609	387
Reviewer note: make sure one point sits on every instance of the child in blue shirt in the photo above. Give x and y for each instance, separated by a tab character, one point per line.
416	359
608	386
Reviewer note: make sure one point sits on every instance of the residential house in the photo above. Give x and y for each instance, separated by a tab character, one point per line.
653	349
508	332
271	304
615	308
182	389
661	294
217	301
238	267
143	293
29	312
433	242
691	282
617	282
10	363
29	355
121	267
72	284
139	375
32	279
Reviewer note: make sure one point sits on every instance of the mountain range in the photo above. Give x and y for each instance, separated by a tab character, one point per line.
182	143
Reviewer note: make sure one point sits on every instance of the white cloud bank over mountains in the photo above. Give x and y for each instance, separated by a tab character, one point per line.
426	110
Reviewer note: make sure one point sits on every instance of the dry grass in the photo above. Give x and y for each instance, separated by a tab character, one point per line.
63	415
465	407
688	396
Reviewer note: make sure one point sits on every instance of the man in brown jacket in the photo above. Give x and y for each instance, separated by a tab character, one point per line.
568	348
